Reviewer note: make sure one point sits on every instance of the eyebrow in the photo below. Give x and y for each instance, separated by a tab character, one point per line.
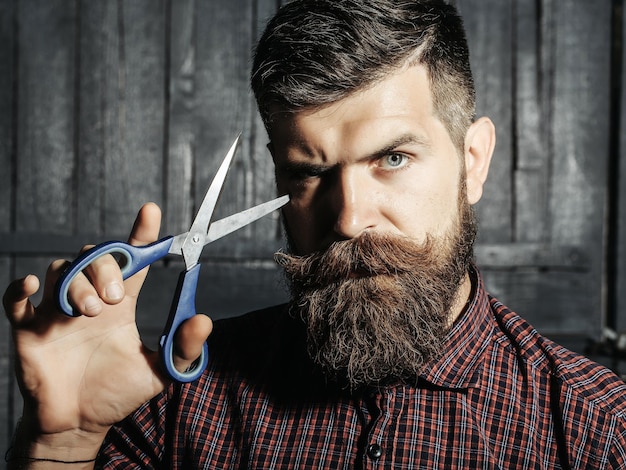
404	139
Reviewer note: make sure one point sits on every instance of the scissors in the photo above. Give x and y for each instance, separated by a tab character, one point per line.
189	245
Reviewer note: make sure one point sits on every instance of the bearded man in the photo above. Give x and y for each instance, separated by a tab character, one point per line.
390	353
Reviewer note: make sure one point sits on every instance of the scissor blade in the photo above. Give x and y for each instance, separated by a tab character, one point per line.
203	218
234	222
231	223
192	246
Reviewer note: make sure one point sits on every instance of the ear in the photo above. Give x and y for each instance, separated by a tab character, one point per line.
480	142
270	148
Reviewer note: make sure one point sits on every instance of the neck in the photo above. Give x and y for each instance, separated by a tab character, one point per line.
461	299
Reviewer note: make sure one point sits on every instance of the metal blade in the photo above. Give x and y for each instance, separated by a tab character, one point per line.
231	223
194	242
234	222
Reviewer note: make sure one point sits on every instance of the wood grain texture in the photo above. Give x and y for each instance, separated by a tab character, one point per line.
45	126
7	57
7	379
558	301
7	201
181	129
533	80
619	250
210	105
580	128
122	112
490	25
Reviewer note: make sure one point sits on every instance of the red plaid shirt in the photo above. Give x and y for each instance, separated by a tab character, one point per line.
502	396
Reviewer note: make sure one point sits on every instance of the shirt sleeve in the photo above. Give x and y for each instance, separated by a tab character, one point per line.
137	442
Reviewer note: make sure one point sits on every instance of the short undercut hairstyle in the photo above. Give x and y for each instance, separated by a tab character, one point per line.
316	52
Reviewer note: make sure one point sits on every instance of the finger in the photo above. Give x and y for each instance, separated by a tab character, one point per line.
189	340
17	305
81	294
106	277
145	230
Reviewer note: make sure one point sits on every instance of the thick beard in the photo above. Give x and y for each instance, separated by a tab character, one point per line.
377	308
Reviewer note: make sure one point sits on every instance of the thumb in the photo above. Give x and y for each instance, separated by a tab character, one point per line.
189	340
145	230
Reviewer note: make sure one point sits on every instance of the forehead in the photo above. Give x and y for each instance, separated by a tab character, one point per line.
400	104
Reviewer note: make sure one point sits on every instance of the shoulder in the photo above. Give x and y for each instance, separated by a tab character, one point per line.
263	349
254	331
580	379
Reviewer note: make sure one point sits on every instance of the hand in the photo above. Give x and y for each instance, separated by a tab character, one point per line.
80	375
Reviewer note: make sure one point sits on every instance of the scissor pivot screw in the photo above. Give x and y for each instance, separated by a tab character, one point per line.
196	238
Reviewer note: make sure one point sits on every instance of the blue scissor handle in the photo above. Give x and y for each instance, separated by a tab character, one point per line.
183	307
135	259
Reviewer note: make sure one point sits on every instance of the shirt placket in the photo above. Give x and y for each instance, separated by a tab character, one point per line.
384	407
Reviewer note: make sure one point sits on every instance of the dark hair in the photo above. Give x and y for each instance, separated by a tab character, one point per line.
316	52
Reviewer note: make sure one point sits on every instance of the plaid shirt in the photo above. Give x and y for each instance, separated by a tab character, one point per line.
502	396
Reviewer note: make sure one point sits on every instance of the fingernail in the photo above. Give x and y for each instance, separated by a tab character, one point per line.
114	291
92	305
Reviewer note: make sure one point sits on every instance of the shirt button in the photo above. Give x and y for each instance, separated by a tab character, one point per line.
374	451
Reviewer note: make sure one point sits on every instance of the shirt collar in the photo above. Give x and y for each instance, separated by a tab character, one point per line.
465	344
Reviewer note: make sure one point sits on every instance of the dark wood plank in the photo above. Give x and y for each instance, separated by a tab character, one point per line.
226	108
122	112
7	198
210	103
7	56
490	26
579	114
533	52
6	366
554	301
533	255
181	119
580	120
270	226
620	226
45	127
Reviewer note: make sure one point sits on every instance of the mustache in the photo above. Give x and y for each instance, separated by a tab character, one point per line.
368	255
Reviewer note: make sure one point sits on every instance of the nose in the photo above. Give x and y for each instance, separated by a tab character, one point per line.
353	203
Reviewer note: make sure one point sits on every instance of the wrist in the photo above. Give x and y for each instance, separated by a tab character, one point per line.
31	449
16	460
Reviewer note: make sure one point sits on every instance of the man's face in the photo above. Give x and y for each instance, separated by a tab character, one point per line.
380	226
377	161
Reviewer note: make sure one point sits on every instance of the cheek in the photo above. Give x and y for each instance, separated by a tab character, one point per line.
425	207
301	226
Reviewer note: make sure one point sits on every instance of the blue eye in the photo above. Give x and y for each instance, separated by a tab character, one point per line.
393	161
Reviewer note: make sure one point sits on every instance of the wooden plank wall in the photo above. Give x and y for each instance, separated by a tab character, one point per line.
105	105
543	71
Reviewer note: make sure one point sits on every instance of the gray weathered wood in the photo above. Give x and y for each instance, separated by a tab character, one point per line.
210	104
489	26
6	370
526	289
122	112
619	283
580	148
7	56
181	129
558	99
45	127
7	194
533	55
